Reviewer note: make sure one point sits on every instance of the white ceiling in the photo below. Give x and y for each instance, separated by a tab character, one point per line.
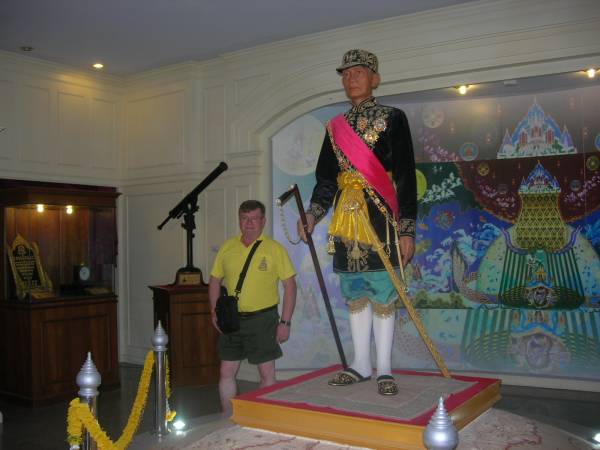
130	36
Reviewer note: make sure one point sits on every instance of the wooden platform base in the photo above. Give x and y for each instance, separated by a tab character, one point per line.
262	409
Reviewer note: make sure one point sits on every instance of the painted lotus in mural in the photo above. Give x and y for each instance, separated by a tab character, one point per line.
506	273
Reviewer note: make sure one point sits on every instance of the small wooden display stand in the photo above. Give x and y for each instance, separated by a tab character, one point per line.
184	312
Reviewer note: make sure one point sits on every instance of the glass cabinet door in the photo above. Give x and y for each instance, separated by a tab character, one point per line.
65	248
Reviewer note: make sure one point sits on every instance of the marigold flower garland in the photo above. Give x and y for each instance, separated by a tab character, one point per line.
170	414
80	415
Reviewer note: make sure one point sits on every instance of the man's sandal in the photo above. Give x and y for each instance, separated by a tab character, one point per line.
347	377
386	385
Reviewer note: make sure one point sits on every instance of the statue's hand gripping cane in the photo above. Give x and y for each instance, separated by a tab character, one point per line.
293	191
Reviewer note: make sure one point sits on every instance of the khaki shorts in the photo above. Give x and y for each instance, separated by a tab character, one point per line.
256	340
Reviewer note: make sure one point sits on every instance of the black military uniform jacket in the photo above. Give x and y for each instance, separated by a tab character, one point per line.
386	132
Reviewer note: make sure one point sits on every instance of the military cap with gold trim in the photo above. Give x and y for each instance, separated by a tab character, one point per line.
358	57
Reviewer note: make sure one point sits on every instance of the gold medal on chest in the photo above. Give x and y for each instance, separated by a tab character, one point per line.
371	136
379	124
362	123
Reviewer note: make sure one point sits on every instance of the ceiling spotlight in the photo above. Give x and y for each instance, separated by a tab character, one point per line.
597	437
26	48
462	90
98	66
591	73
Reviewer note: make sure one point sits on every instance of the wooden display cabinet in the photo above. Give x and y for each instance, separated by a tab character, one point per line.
55	311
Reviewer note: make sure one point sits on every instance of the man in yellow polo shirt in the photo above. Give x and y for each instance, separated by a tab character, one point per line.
261	327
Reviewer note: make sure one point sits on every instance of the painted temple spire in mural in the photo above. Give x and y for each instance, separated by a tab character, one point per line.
537	134
540	267
539	224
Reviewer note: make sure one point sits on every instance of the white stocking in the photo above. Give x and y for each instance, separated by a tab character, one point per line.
360	327
383	328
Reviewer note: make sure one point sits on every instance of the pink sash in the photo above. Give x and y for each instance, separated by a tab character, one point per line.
363	159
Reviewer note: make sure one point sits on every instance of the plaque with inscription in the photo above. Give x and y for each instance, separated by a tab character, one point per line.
29	275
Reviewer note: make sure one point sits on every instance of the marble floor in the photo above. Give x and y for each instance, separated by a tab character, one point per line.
44	428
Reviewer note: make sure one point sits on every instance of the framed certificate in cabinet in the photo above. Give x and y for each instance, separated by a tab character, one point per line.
28	272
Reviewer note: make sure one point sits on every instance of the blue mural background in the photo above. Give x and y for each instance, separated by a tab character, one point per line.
506	276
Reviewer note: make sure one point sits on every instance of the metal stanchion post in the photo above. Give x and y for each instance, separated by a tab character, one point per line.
160	341
88	379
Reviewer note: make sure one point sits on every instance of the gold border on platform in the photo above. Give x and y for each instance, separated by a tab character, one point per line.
350	430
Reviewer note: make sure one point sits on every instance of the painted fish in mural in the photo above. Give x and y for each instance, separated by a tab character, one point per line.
461	278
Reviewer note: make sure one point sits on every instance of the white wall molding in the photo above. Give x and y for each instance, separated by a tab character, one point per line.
213	123
61	123
174	73
147	258
234	172
74	176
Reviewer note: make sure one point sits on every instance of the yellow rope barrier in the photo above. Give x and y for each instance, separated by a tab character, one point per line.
80	416
170	414
378	246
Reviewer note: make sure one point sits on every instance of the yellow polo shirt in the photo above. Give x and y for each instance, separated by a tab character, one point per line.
269	264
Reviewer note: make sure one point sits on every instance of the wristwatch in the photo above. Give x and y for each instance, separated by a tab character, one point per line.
286	322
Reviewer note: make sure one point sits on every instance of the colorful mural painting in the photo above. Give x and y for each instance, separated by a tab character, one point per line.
506	276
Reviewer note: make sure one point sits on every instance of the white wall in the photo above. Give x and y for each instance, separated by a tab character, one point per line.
156	135
59	123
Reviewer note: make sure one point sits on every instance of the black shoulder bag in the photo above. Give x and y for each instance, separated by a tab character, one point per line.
227	305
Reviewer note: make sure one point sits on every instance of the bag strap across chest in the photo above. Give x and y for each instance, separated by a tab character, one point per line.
238	287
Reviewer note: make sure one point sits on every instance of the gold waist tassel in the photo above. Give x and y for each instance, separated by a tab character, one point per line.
346	223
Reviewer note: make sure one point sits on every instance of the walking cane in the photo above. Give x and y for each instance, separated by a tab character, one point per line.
283	198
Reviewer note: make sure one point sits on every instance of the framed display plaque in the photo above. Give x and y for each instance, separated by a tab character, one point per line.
29	275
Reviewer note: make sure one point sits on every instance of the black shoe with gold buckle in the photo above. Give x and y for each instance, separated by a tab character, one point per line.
347	377
386	385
